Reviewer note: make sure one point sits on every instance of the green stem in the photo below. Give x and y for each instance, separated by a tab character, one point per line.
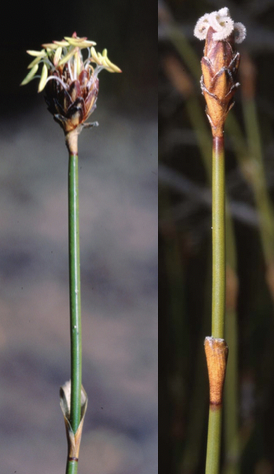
218	238
213	441
218	292
75	295
72	467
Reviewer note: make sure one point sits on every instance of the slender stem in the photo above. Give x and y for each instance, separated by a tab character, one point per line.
218	304
218	238
75	295
72	467
213	441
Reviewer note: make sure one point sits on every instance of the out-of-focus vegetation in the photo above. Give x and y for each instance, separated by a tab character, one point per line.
185	245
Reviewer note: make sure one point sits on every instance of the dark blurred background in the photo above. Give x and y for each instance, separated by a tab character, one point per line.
118	227
185	245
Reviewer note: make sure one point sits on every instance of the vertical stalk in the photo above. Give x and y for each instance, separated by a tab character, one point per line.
215	346
73	398
75	295
72	467
219	65
218	237
213	442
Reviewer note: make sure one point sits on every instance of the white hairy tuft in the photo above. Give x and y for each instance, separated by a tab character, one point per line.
222	24
240	31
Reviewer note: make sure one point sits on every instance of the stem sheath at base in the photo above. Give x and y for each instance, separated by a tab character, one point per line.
216	356
74	439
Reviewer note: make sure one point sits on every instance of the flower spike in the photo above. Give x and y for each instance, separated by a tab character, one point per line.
70	82
219	64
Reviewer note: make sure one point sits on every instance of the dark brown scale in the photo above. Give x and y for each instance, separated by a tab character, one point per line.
58	108
77	107
64	99
72	105
74	90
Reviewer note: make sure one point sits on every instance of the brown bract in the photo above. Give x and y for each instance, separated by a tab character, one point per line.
216	357
71	106
74	439
219	67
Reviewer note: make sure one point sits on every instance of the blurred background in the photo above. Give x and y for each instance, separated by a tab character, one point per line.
118	228
185	245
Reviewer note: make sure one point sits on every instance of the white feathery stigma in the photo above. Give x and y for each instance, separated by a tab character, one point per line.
222	24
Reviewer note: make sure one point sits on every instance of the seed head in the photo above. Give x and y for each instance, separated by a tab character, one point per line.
219	64
71	83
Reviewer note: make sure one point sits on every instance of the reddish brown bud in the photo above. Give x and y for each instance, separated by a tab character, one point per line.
219	64
219	80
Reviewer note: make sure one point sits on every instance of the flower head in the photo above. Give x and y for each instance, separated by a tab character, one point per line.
71	82
219	64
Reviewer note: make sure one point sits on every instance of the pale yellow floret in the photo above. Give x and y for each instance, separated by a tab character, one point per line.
30	75
79	62
94	55
35	61
36	53
55	45
57	56
111	67
44	76
102	60
65	59
80	42
70	46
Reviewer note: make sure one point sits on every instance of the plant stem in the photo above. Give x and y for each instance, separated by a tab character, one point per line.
216	349
75	294
213	442
72	467
218	237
